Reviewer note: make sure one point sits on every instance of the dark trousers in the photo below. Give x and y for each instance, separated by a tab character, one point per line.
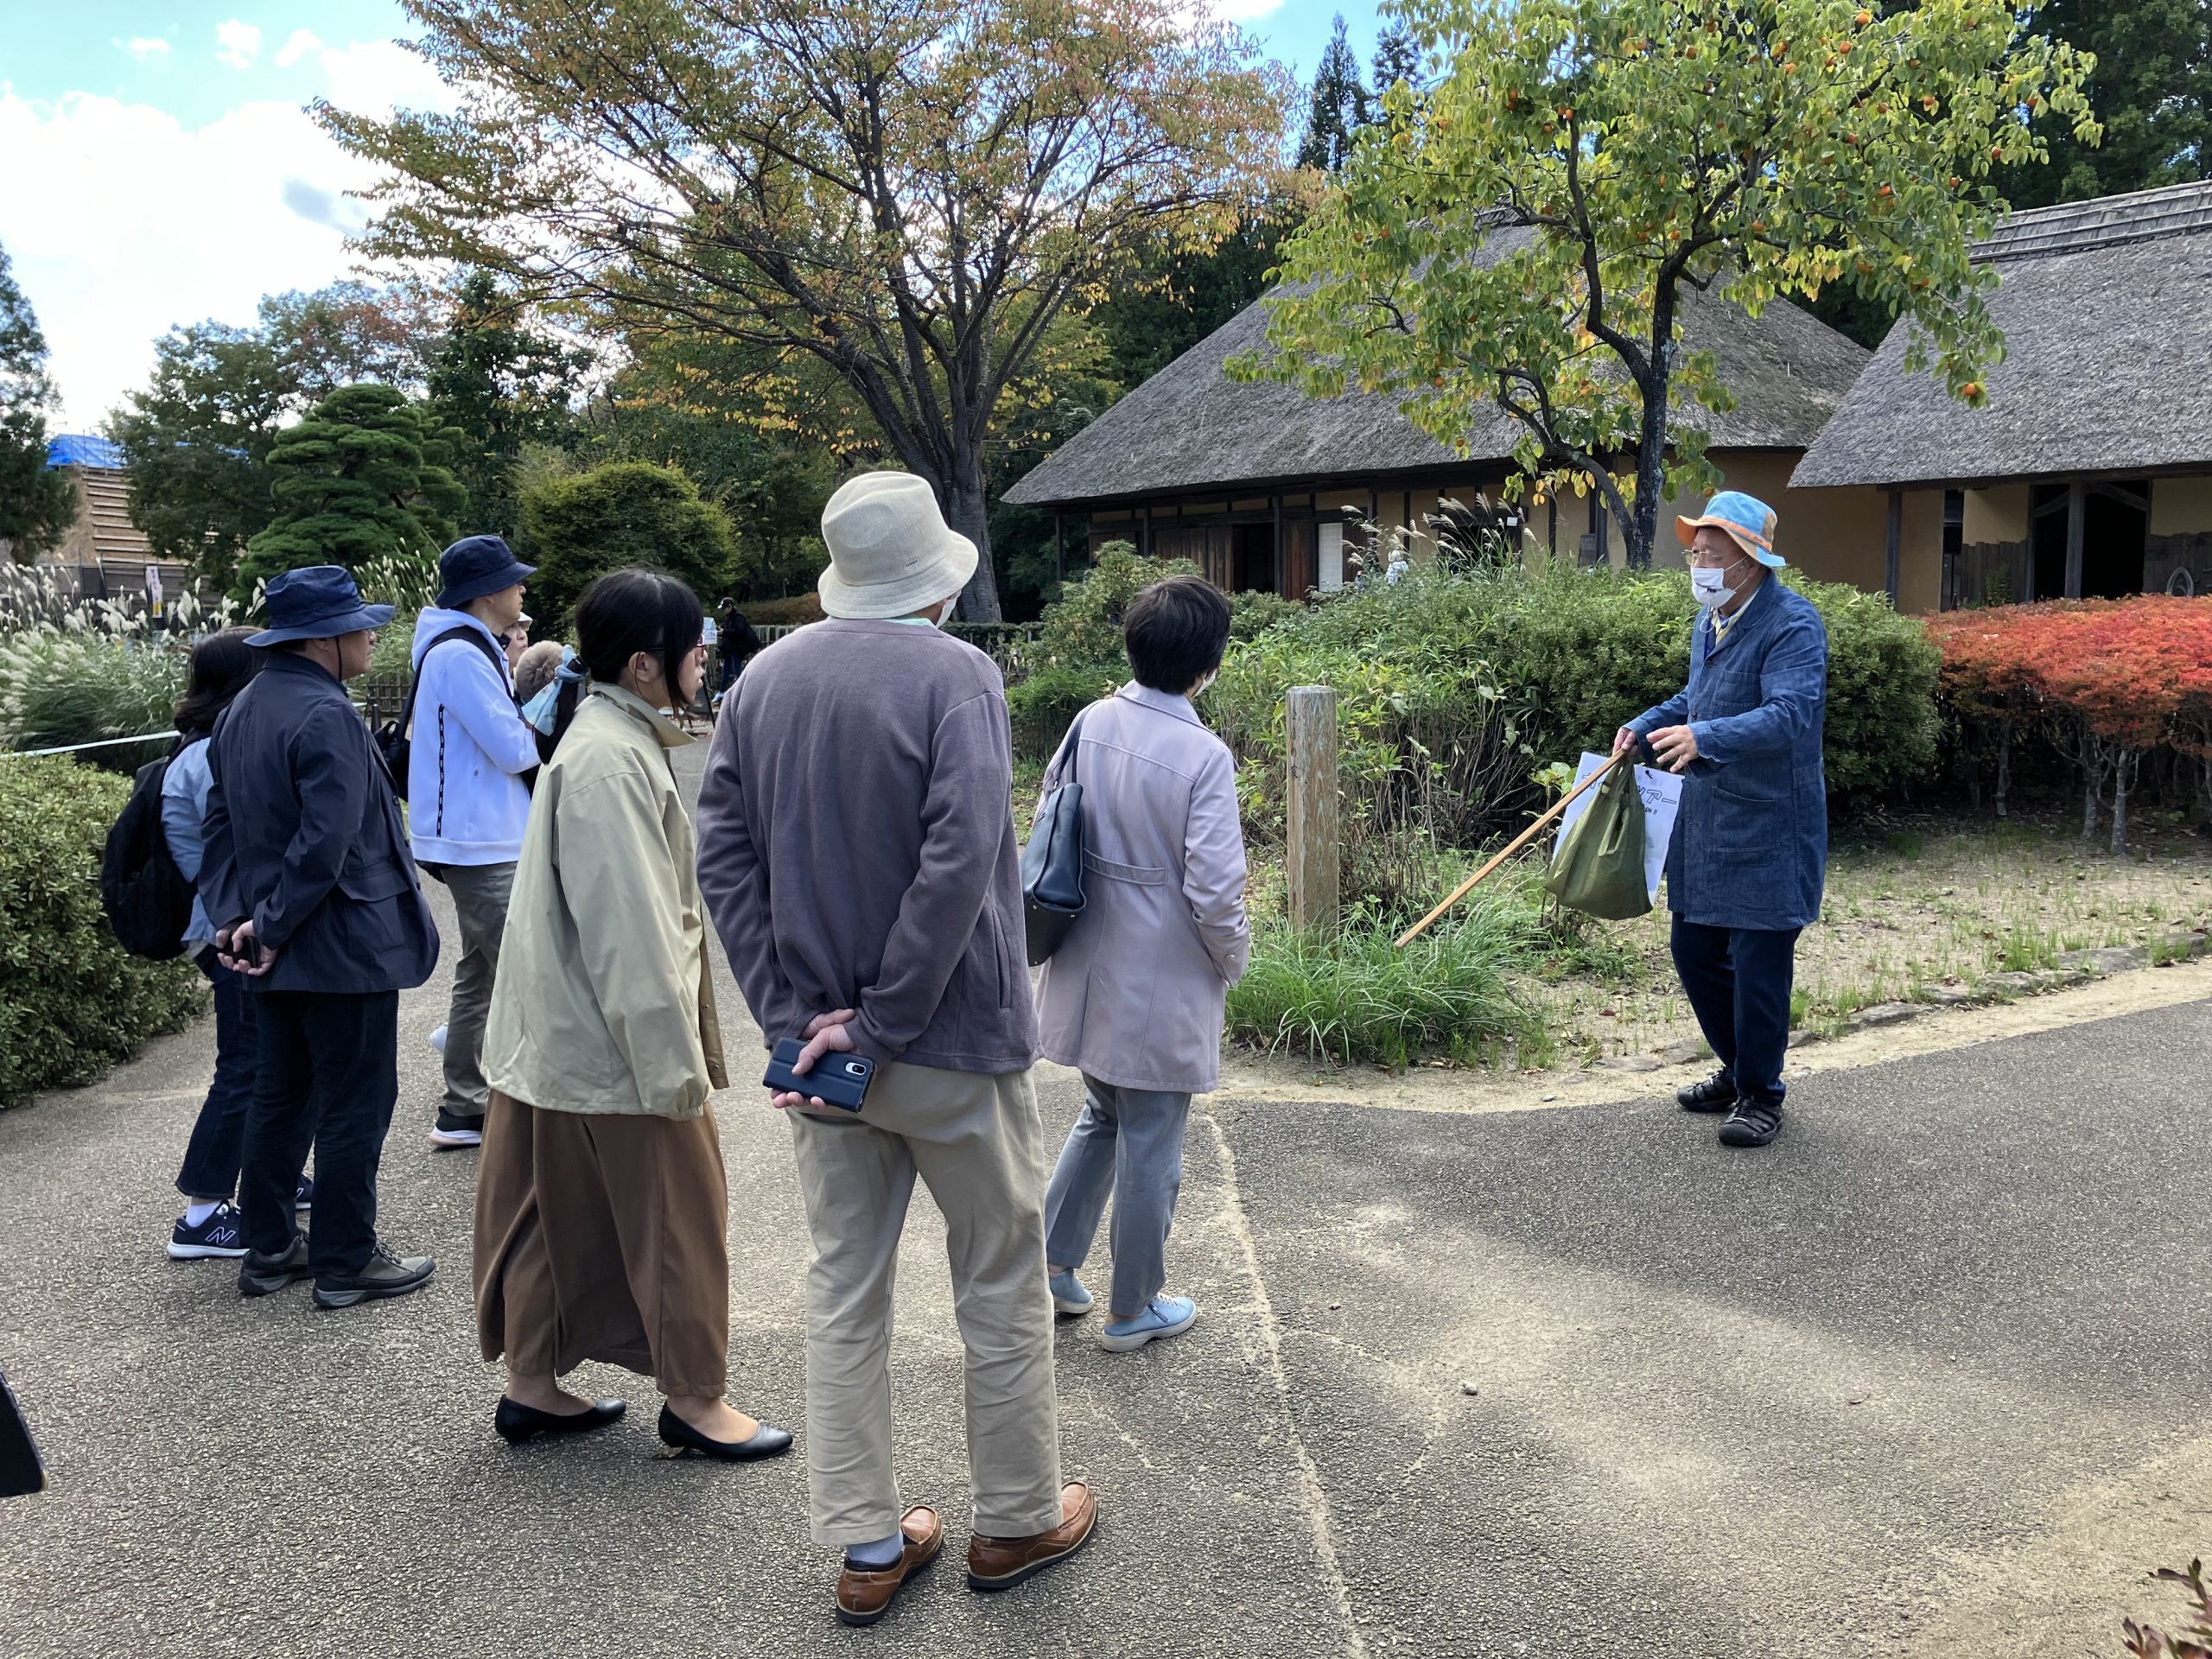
329	1078
1738	979
211	1157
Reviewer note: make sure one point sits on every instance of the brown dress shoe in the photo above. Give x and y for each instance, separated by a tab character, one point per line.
1002	1563
863	1598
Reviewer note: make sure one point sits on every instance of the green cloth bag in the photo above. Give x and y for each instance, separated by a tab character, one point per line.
1599	867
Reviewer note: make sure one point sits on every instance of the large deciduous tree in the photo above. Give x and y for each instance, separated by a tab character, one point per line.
37	503
909	192
1525	231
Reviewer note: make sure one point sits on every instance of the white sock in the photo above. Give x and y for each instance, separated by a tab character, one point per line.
197	1211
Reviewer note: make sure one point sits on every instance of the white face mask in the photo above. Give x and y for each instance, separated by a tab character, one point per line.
1200	687
1710	587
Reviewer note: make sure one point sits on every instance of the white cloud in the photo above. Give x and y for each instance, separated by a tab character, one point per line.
303	41
122	222
144	47
237	44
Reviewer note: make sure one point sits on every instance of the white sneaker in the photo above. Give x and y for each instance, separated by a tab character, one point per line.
438	1039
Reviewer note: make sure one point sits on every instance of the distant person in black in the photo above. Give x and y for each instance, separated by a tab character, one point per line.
739	642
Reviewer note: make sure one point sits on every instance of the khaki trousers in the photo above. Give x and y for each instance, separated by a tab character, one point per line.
977	1143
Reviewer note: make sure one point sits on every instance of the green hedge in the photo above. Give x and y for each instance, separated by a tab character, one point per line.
72	1004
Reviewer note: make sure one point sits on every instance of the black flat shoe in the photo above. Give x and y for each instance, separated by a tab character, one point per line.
1751	1125
516	1422
766	1442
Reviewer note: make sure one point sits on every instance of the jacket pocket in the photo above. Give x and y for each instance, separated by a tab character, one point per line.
1143	875
369	881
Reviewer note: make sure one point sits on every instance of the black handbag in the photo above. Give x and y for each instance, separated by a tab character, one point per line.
1051	864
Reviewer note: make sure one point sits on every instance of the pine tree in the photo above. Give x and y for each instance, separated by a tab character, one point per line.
36	502
2151	90
501	386
1340	106
363	476
1396	59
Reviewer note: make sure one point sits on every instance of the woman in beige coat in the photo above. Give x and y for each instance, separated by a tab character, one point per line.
601	1209
1134	996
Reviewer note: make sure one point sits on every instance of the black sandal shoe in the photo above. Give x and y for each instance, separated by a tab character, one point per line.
1751	1125
766	1442
1716	1094
516	1422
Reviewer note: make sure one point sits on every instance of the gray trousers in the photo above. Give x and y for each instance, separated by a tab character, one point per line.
1128	1144
977	1143
479	898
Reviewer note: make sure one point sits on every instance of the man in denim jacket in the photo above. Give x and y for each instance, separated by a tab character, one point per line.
1744	870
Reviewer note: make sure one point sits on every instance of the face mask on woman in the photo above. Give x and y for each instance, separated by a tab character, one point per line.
1710	587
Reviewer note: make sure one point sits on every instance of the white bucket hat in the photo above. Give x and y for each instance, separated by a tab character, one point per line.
891	551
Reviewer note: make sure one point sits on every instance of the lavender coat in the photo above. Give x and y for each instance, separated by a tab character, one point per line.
1134	996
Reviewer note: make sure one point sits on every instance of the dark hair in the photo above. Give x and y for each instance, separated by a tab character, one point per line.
221	665
1175	631
631	610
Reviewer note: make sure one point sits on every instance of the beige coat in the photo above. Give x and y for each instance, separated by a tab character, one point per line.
603	1002
1134	996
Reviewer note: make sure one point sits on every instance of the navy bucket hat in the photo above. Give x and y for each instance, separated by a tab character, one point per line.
317	601
475	566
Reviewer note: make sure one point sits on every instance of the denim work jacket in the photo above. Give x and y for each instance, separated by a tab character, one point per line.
1751	842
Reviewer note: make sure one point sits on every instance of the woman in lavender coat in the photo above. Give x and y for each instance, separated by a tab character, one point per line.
1133	998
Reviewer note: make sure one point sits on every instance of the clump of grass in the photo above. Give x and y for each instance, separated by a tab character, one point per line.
1357	997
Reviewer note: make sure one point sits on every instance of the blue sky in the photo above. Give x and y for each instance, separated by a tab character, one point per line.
160	169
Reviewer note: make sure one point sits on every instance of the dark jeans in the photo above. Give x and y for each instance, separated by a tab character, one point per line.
211	1157
1738	979
329	1078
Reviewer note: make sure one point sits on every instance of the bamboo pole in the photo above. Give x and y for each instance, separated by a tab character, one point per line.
1511	848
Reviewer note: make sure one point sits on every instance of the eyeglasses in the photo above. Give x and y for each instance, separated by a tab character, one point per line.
1712	558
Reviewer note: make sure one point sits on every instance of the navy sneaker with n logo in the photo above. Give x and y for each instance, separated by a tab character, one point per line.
222	1234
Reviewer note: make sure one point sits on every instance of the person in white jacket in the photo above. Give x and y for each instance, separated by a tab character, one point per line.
466	798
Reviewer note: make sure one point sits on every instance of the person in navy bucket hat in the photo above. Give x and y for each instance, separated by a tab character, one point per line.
471	757
1746	865
476	566
307	880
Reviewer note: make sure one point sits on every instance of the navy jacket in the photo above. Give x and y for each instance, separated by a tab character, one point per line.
1750	845
303	835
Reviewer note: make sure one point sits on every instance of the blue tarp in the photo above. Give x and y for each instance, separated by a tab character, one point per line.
82	449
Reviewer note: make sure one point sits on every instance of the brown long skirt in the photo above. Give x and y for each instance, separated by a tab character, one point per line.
602	1236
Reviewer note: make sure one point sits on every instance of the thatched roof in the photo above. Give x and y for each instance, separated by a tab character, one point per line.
1190	427
2106	310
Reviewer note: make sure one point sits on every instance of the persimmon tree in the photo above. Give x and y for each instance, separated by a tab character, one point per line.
1524	231
907	193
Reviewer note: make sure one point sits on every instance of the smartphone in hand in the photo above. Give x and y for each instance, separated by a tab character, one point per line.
836	1078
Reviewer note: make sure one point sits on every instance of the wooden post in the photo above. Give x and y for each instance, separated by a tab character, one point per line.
1892	567
1059	552
1282	561
2077	507
1310	723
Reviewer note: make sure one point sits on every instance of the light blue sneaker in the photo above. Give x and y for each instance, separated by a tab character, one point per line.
1069	1297
1165	1316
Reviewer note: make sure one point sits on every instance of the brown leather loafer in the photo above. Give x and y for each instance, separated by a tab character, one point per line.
863	1598
1002	1563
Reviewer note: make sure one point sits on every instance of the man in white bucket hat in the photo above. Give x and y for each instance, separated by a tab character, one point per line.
856	851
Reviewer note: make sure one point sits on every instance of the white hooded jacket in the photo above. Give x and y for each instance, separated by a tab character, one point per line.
465	800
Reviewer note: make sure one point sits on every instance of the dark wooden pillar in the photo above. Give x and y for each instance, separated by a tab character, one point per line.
1282	553
2077	507
1144	543
1893	562
1059	552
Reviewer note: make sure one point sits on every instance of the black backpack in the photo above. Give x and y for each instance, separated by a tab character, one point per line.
393	740
147	901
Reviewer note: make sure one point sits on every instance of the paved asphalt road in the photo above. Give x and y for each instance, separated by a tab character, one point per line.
1936	1364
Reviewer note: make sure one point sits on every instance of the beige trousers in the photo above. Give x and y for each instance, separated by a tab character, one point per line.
978	1144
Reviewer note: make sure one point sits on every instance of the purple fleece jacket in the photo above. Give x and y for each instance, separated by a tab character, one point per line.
856	846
